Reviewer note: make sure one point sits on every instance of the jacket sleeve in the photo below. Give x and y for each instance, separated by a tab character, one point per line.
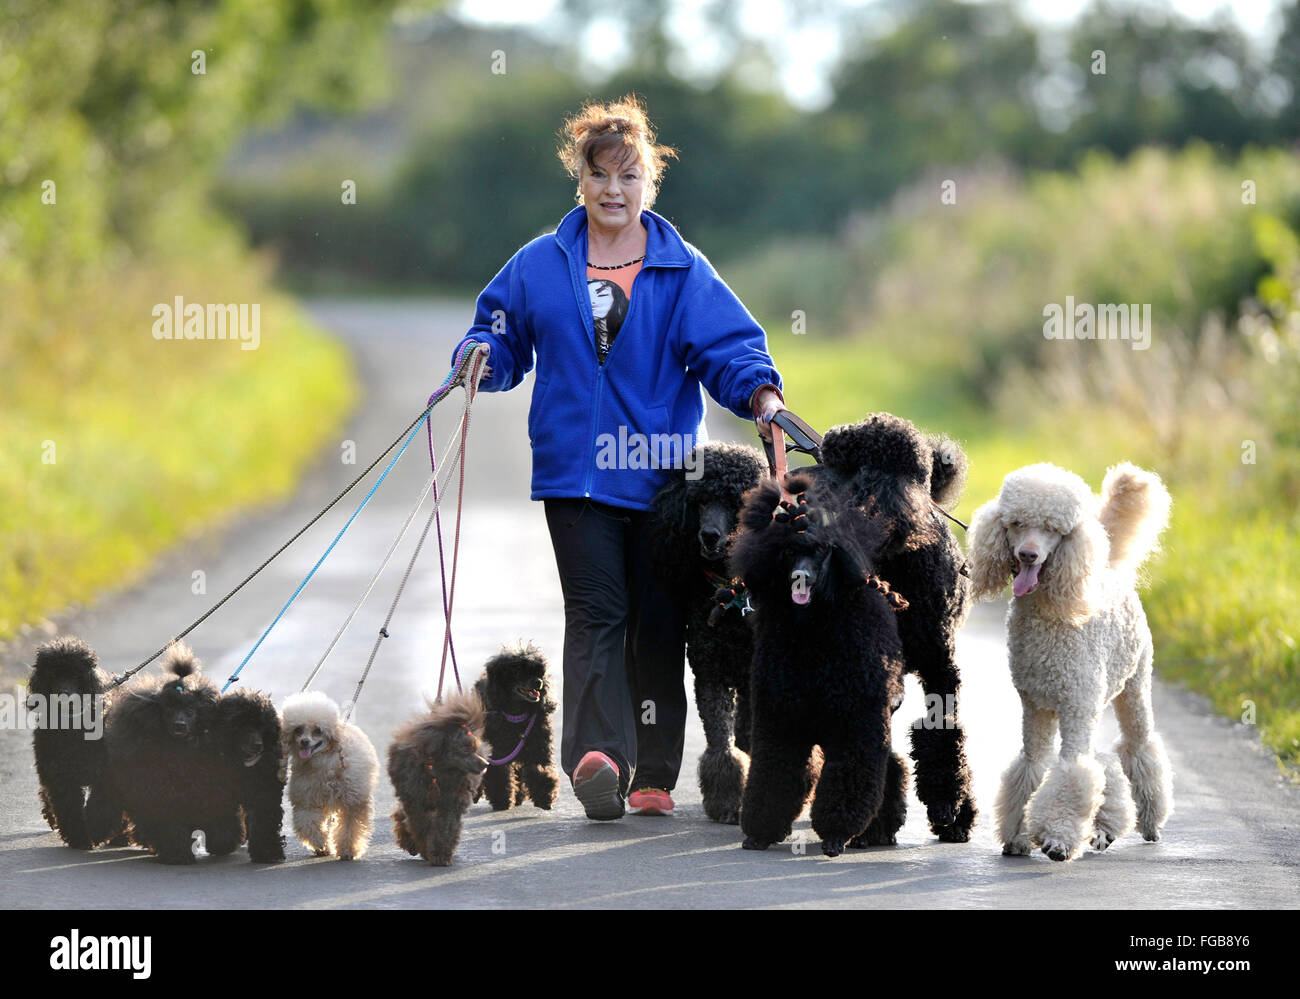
721	342
500	321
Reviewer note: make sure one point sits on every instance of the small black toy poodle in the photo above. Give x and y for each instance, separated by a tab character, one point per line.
163	773
518	700
247	730
68	693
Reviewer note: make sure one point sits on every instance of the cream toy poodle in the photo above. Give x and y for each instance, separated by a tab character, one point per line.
334	769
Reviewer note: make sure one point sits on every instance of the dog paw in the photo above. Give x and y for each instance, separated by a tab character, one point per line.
953	834
832	847
1016	848
1056	850
873	837
440	860
751	843
1100	840
957	822
940	816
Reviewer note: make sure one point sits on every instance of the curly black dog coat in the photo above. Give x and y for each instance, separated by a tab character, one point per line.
898	473
163	771
436	762
826	671
247	730
517	698
694	520
67	687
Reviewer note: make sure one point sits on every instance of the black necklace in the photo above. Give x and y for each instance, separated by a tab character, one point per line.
615	267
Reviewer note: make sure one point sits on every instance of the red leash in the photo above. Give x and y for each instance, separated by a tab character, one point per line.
449	590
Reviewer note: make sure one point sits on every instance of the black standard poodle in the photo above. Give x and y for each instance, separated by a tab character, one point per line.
68	693
518	701
163	772
247	730
694	517
827	670
904	477
436	762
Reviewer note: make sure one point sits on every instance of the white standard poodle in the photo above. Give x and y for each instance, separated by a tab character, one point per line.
333	775
1078	640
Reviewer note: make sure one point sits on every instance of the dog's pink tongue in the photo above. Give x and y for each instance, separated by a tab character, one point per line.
304	754
800	596
1026	579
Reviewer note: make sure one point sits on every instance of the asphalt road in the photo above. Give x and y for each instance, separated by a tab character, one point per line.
1233	841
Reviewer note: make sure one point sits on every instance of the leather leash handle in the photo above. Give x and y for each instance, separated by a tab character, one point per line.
776	459
802	438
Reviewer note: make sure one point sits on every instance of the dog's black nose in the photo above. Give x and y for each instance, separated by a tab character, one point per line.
709	538
1027	555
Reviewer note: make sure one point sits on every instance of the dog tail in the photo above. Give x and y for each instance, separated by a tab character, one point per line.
948	465
1134	510
181	660
461	709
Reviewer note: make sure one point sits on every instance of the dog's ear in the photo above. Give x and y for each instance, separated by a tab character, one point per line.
991	560
674	523
947	470
848	567
903	503
758	505
1070	586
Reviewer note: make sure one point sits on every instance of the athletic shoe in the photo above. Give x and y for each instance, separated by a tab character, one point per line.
650	801
595	782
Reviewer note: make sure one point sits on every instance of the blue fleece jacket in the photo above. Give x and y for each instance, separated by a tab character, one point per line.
613	431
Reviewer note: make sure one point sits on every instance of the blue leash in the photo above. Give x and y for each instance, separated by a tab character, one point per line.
461	364
410	437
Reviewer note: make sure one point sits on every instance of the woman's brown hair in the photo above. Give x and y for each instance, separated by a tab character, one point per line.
598	128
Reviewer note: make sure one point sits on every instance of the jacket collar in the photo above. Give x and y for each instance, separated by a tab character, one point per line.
663	246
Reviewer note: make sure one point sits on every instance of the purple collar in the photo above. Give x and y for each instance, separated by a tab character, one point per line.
522	739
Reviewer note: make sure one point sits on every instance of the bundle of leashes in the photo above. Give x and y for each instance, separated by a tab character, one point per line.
466	371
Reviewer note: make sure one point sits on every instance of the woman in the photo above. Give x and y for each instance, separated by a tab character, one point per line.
625	321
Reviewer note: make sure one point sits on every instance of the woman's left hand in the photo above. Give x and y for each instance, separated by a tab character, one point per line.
767	403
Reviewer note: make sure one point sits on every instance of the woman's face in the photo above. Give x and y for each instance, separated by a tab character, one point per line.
612	194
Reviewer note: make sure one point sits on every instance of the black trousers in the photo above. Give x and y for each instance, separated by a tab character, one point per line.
624	645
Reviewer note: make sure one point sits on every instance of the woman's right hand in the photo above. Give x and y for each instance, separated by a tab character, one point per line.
487	352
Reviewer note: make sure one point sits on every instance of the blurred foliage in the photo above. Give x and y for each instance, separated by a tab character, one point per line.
109	141
466	173
129	132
